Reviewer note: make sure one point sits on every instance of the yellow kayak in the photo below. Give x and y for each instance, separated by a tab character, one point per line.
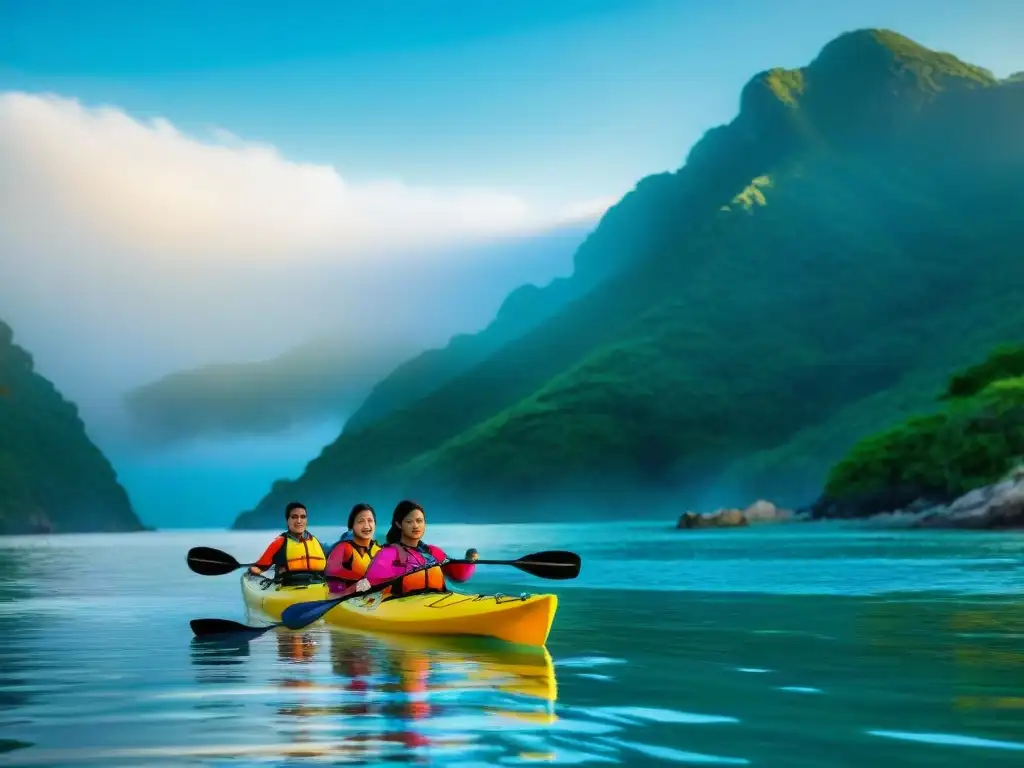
523	619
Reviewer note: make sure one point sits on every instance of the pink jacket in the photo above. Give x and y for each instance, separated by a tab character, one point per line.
385	565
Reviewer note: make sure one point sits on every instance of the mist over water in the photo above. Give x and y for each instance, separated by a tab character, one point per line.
207	482
106	339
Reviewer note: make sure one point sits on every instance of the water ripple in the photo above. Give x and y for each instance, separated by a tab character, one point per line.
951	740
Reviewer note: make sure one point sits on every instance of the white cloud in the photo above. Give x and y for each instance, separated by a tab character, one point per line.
149	188
587	210
129	249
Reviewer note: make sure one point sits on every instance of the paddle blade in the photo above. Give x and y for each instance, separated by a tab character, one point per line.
207	561
301	615
203	628
552	564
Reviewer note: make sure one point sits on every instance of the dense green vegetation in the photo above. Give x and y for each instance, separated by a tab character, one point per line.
974	440
814	272
52	477
523	309
1005	362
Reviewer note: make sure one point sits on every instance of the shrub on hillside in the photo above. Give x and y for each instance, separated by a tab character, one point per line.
973	441
1005	362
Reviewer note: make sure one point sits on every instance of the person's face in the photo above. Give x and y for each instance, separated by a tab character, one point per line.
297	521
414	525
364	526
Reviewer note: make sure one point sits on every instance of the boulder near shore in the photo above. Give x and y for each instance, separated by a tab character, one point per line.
760	511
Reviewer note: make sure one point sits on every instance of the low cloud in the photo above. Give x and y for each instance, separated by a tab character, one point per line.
148	187
129	250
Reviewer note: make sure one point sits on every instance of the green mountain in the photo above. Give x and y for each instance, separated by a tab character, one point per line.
52	477
813	272
622	230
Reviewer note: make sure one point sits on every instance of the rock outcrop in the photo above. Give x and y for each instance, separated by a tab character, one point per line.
998	506
759	512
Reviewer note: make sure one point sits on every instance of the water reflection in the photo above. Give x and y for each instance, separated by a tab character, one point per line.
398	697
295	647
988	641
960	660
215	652
20	633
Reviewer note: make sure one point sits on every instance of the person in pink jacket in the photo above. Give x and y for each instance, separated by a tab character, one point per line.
406	551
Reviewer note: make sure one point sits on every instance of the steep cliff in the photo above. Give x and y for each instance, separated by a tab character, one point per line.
52	477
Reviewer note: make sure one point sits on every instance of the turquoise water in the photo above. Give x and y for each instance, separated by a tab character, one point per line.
786	646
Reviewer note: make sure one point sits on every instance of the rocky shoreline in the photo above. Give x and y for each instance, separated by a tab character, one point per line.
998	506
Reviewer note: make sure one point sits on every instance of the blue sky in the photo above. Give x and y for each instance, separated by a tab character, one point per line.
555	99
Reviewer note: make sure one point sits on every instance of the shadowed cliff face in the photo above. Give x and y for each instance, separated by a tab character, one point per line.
817	266
52	477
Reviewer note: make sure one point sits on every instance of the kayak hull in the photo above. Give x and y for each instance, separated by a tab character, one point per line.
263	595
522	620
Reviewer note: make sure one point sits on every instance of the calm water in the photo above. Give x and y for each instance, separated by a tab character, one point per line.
799	646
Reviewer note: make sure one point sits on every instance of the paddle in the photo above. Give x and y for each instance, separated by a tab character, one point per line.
551	564
207	561
204	628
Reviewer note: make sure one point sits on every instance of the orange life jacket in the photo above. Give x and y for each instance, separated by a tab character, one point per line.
295	555
357	558
427	580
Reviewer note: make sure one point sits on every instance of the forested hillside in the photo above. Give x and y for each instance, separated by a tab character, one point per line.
52	477
813	273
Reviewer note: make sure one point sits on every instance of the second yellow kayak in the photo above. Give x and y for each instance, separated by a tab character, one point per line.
520	619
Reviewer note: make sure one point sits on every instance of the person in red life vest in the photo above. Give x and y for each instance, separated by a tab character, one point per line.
295	554
406	551
351	556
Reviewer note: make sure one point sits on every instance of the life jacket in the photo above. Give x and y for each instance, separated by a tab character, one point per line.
358	559
300	555
427	580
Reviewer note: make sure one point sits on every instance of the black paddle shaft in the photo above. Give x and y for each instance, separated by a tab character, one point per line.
207	561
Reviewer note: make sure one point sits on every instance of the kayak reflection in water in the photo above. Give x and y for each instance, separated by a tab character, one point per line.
296	554
412	671
351	556
406	551
296	647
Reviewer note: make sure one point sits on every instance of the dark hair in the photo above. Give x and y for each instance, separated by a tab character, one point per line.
360	507
291	507
394	534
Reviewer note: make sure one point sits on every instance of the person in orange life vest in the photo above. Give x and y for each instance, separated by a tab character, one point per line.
350	557
406	551
294	551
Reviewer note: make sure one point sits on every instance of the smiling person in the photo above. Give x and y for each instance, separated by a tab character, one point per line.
351	556
406	551
294	553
